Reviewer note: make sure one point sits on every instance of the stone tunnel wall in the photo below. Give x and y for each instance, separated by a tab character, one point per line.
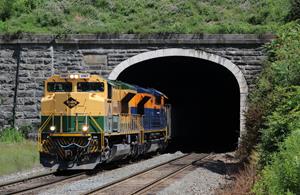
26	62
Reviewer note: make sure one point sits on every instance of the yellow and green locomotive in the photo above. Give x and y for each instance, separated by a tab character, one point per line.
87	120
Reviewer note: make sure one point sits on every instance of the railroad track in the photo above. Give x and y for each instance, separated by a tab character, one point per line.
33	184
148	179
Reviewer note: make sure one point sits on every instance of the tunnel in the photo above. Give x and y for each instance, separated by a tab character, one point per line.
204	96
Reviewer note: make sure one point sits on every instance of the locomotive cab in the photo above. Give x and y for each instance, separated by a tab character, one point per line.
70	99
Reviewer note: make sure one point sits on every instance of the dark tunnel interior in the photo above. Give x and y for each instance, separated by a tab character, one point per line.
205	101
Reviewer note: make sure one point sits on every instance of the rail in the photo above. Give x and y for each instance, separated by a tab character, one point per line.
35	184
135	183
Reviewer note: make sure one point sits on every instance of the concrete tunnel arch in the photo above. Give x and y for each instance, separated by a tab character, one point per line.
174	52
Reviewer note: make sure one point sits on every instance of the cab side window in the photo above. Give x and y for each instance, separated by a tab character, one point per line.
59	87
90	86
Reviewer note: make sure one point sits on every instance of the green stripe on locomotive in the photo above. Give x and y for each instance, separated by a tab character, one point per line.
69	123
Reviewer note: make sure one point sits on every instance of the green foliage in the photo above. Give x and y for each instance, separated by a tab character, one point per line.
268	11
294	13
273	117
5	9
280	122
15	8
285	52
282	176
273	91
144	16
279	101
11	135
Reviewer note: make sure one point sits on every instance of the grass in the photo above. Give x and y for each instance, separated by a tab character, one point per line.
11	135
18	156
17	153
143	16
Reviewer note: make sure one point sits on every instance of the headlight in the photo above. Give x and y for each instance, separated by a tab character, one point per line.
52	128
74	76
85	128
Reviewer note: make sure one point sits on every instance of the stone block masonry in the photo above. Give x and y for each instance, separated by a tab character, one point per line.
25	62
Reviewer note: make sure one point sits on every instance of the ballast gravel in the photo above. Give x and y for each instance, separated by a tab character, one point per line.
205	179
105	177
200	181
23	174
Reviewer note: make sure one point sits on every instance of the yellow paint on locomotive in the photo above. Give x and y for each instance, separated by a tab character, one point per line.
89	103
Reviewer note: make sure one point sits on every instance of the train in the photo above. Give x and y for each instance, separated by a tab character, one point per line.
87	120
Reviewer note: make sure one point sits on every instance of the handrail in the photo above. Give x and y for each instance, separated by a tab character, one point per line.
130	122
101	132
40	130
97	125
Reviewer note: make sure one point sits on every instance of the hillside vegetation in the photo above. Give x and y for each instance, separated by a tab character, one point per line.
273	118
142	16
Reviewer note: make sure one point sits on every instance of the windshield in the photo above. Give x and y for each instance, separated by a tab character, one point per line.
59	87
90	86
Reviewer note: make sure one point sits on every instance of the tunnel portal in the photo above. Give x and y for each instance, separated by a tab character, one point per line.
205	102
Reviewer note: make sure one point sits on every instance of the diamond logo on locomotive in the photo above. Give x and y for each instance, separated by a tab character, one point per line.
71	102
